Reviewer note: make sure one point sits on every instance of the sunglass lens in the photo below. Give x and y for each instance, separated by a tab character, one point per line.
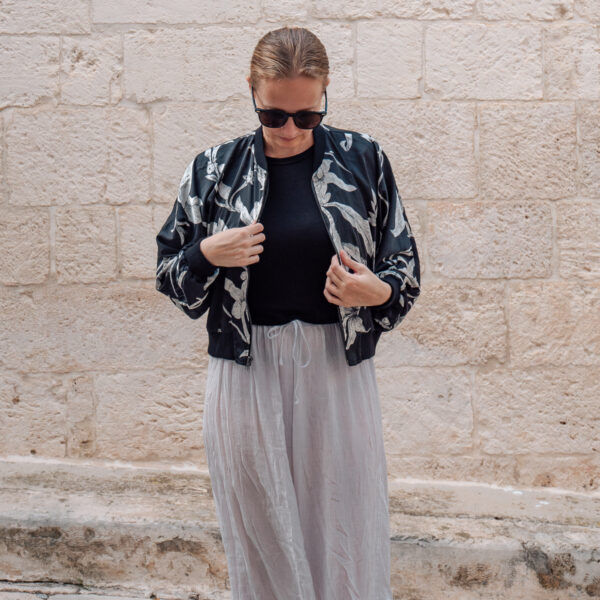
272	118
307	120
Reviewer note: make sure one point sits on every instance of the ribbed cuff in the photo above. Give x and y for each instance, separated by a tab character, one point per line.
395	295
197	262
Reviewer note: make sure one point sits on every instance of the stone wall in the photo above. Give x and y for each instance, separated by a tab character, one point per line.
489	111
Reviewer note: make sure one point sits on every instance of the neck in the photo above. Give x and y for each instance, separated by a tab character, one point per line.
275	150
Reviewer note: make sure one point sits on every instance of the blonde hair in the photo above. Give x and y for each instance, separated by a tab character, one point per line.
289	52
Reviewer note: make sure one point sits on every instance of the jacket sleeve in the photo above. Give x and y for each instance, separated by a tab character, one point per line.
183	273
396	256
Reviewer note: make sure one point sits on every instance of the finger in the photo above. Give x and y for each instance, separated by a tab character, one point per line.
333	288
255	227
335	278
256	249
330	297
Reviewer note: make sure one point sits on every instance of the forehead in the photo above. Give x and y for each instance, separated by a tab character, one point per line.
300	93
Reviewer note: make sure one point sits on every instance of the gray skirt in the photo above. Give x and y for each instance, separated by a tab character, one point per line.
296	458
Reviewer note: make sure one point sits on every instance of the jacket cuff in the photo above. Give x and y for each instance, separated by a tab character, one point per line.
198	263
395	296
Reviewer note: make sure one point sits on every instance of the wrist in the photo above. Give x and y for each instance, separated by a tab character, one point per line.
386	292
203	250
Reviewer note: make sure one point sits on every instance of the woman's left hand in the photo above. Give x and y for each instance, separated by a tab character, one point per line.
360	288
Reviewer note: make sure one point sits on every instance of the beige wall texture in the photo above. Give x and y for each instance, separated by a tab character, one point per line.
489	111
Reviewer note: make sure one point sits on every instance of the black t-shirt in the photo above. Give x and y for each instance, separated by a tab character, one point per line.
287	282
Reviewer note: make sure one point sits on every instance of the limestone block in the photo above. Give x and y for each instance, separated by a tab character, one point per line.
175	11
45	16
430	144
81	400
526	10
150	415
588	9
571	61
97	327
86	244
29	69
578	239
25	241
410	9
527	150
426	412
483	61
274	11
589	130
554	323
388	59
430	10
538	410
138	227
348	9
33	414
188	64
91	69
86	155
451	323
490	239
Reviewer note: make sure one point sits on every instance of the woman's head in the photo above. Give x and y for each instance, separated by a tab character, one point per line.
289	70
287	53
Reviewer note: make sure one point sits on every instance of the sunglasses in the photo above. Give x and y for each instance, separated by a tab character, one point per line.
304	119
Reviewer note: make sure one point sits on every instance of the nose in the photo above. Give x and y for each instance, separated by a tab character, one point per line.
290	129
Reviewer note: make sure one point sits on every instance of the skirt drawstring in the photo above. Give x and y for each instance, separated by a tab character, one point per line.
275	330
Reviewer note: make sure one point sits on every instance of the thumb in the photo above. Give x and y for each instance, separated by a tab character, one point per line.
350	262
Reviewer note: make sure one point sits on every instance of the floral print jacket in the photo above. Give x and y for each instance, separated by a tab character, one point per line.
226	186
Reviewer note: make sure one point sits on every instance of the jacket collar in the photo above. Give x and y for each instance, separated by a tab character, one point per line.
319	135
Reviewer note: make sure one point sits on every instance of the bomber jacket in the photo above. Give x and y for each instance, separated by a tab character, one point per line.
226	186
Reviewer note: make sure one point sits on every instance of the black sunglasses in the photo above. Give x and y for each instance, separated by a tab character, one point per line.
304	119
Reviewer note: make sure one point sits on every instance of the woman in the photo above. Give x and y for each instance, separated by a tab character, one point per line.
292	424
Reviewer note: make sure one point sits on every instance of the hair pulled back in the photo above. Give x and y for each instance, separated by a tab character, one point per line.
289	52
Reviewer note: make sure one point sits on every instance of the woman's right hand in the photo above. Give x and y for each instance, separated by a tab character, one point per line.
235	247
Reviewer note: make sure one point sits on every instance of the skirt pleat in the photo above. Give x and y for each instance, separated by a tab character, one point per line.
295	452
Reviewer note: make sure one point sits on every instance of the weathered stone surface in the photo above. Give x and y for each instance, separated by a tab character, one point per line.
553	323
86	155
380	44
430	415
572	61
114	327
45	16
526	10
527	150
150	415
578	239
589	128
25	240
451	323
154	530
183	65
410	9
538	411
91	69
138	227
483	61
29	69
490	239
86	244
175	11
429	144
